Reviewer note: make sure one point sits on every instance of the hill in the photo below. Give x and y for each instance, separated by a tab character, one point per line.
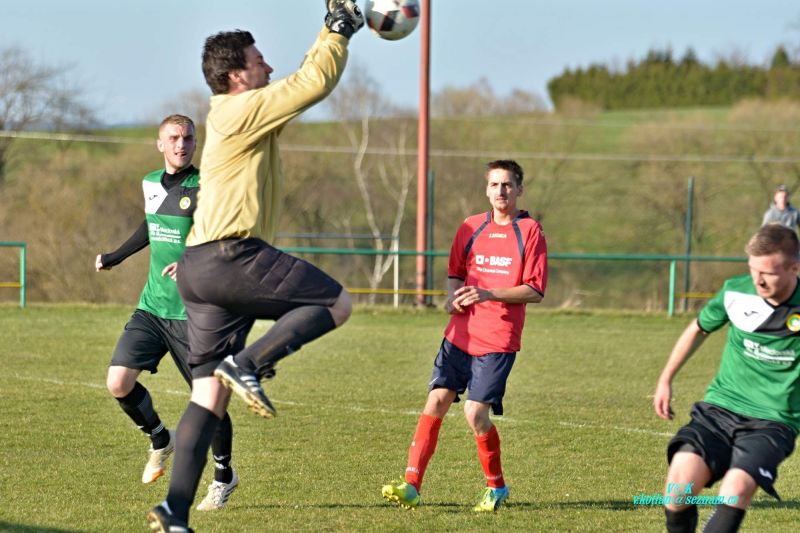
612	182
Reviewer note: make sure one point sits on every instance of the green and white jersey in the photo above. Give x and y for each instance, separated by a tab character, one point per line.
169	219
759	375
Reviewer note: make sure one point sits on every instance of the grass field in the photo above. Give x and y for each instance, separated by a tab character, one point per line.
579	436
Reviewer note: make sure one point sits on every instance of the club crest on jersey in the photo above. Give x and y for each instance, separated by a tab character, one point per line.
793	322
185	202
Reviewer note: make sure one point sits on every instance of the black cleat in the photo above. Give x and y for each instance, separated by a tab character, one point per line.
161	520
246	386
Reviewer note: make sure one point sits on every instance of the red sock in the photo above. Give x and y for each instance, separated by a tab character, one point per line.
422	448
489	455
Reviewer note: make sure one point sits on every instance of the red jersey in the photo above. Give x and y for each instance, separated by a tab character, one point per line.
489	256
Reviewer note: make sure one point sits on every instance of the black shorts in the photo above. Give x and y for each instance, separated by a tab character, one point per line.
728	440
147	339
484	375
227	284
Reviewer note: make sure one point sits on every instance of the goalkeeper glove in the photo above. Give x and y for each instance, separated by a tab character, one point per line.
343	17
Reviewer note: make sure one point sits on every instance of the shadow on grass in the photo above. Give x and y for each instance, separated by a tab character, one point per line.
772	504
25	528
612	505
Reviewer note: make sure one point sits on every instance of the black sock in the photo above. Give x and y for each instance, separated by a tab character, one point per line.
138	405
289	333
221	447
192	439
724	519
681	521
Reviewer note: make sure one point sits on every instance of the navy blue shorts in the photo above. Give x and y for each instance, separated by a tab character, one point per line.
485	376
726	440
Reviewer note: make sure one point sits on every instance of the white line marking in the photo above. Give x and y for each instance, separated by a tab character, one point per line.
616	428
354	408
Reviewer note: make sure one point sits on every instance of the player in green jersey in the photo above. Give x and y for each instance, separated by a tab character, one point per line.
749	419
158	325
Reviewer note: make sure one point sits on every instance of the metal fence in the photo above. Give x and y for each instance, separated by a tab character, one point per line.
21	283
671	260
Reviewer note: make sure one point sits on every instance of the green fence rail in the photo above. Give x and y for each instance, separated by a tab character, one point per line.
21	283
672	260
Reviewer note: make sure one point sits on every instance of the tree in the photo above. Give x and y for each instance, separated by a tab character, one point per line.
194	103
35	96
780	59
479	99
383	181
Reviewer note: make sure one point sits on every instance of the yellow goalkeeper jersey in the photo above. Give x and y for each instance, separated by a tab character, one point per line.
241	176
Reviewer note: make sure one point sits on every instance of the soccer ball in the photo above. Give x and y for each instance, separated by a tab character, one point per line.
392	19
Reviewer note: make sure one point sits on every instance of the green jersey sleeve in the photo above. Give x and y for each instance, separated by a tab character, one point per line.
713	316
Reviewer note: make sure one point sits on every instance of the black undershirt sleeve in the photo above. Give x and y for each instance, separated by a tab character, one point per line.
135	242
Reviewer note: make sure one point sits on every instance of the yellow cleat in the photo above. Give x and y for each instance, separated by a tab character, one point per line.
491	500
401	493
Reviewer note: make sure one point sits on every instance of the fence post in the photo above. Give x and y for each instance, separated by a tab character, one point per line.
22	254
396	270
671	303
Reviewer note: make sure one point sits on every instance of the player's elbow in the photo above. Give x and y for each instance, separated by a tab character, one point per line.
535	296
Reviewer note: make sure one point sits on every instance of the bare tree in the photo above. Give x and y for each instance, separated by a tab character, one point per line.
479	100
383	181
193	103
35	96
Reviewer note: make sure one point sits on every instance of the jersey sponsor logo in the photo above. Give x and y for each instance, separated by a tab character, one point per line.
492	260
492	264
498	236
768	355
160	233
185	203
793	322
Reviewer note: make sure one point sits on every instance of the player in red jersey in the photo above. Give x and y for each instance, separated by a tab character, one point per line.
498	263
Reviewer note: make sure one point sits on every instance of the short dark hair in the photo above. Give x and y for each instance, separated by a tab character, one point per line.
223	53
773	239
178	120
508	165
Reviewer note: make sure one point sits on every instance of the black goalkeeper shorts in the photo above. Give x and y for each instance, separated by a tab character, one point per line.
227	284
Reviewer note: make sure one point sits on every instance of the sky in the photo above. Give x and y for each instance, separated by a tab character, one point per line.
131	57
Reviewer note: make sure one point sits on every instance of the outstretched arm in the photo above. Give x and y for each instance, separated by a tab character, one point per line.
691	339
135	242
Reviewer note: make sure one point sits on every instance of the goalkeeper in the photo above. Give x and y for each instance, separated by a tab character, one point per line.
229	274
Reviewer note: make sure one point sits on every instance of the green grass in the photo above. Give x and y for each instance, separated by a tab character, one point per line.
579	437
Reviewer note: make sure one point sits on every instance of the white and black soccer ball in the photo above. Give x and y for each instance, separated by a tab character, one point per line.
392	19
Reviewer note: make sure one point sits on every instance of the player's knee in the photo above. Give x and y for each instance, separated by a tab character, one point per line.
119	383
477	415
738	482
342	308
438	403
